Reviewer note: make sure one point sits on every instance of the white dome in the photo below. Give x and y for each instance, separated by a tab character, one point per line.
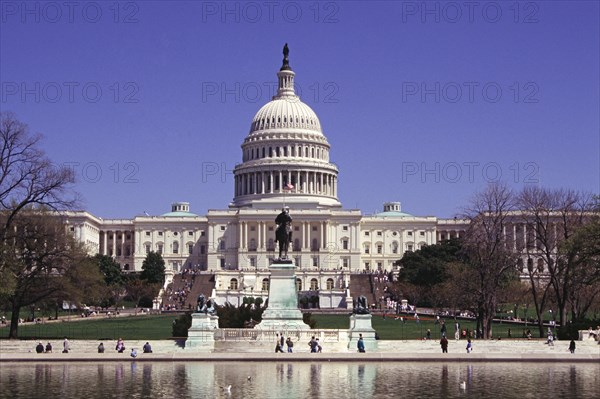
286	113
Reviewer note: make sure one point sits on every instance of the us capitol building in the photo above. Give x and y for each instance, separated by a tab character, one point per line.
285	160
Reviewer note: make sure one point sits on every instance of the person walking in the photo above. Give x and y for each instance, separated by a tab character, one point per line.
360	344
444	344
469	346
278	344
313	344
66	345
290	345
572	346
443	328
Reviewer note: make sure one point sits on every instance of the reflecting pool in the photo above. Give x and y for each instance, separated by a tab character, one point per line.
298	380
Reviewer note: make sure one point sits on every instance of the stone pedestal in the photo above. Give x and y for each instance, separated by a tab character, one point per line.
282	312
349	301
201	335
361	324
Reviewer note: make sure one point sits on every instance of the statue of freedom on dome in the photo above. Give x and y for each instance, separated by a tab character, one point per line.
283	234
286	61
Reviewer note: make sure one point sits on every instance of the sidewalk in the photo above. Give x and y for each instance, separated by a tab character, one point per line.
414	350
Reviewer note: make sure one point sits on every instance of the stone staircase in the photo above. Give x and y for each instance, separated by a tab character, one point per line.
195	284
362	284
203	284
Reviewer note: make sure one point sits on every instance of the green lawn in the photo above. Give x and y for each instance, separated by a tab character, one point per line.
159	327
391	329
134	327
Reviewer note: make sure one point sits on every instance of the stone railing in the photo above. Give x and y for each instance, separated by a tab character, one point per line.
245	334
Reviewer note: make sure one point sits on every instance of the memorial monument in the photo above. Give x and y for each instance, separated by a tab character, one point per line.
282	312
201	335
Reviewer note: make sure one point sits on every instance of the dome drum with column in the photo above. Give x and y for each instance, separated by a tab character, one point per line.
285	146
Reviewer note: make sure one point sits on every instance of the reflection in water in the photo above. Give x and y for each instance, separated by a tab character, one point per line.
291	380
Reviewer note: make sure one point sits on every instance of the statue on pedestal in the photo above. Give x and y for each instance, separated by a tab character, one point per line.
360	305
283	234
205	306
201	304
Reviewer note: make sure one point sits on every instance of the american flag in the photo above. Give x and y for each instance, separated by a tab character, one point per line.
289	186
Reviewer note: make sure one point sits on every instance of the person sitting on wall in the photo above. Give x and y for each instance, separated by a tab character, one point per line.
48	347
39	348
147	348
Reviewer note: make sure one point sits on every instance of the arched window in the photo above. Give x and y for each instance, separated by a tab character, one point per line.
520	265
395	247
298	284
271	245
233	284
222	245
175	247
252	245
265	284
314	284
530	264
329	283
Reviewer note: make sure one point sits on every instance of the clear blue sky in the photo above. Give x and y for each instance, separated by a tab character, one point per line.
150	101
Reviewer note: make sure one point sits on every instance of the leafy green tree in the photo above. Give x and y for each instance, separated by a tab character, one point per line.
424	272
114	278
111	270
153	268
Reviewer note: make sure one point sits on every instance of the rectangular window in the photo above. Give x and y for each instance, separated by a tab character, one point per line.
222	228
422	233
410	233
379	249
345	228
252	261
202	233
346	262
202	249
315	261
147	249
190	248
314	228
366	233
190	233
366	250
222	263
147	234
345	244
160	249
379	233
410	248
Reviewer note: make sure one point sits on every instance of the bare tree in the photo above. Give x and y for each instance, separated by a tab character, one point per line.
45	262
27	179
550	218
492	263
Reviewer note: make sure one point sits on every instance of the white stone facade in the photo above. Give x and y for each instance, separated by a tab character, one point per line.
285	161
